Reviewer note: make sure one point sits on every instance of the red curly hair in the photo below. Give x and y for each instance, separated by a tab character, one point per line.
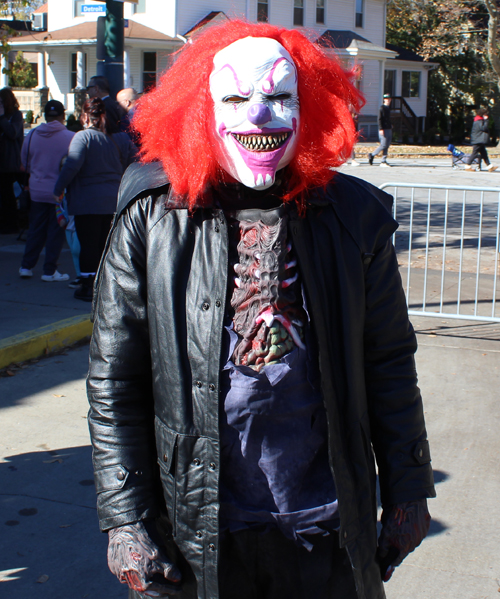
175	121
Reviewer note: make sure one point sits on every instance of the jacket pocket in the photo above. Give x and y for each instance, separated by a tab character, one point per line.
166	447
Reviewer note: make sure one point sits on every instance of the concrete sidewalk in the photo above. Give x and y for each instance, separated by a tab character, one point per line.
36	317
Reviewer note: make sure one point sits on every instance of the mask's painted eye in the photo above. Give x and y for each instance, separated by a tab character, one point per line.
234	99
280	97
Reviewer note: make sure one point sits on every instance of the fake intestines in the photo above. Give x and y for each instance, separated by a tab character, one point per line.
269	317
254	89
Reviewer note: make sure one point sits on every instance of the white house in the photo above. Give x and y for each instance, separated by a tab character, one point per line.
156	28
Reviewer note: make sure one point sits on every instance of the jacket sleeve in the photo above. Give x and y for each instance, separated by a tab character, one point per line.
397	425
121	417
73	163
12	127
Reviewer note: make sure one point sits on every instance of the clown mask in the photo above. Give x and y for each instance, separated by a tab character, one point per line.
254	88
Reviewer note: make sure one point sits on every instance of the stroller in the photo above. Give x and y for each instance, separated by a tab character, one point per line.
458	157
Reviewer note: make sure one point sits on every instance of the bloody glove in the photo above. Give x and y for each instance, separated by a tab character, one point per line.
137	561
404	526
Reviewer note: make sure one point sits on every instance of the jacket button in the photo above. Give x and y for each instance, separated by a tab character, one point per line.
120	476
217	229
199	534
218	303
345	534
196	461
205	306
211	387
138	473
165	457
211	547
212	466
199	384
420	453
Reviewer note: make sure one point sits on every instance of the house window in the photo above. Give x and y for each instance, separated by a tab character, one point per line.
263	11
148	70
298	12
140	7
390	82
360	9
320	11
410	84
74	70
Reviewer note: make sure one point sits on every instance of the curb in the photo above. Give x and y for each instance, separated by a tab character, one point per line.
42	341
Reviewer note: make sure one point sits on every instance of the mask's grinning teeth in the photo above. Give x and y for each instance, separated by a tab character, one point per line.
261	142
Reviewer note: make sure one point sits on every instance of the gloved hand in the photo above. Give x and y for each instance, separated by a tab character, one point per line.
404	526
137	561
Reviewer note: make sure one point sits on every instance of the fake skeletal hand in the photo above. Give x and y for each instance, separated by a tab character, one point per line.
137	561
404	526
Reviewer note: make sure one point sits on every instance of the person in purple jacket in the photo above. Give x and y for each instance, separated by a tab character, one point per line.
42	153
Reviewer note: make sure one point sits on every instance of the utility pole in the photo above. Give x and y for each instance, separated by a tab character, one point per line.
110	34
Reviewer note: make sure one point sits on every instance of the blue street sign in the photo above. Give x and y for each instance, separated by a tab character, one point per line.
93	8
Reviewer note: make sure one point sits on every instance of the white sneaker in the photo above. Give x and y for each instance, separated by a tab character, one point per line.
492	168
25	273
355	163
468	167
384	164
57	276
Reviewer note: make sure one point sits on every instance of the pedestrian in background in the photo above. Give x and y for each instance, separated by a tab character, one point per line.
479	137
127	100
91	175
98	87
384	131
42	152
11	140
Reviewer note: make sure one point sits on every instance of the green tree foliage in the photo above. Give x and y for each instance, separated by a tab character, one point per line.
453	34
21	74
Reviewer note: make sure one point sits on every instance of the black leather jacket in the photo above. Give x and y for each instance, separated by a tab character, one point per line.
155	360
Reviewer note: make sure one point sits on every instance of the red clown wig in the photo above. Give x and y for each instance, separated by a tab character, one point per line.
176	120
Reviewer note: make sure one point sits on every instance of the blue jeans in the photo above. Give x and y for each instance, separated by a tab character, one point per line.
43	231
385	142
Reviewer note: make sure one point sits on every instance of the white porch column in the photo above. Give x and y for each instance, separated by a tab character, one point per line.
4	78
381	82
42	70
126	68
80	69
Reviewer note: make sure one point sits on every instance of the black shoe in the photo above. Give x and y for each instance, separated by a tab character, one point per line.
370	159
85	291
74	284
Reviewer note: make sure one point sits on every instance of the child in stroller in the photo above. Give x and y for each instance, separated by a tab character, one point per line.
458	157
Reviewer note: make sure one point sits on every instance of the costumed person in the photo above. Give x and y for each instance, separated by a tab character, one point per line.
479	137
251	350
384	131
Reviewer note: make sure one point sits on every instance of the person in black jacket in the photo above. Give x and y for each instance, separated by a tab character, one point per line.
11	140
251	351
479	137
384	131
98	87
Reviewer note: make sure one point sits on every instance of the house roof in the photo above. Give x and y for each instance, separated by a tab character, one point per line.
404	54
43	8
88	31
213	17
353	44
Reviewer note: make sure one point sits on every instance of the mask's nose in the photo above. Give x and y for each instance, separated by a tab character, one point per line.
259	114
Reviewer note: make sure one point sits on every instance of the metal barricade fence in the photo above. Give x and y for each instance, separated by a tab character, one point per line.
447	246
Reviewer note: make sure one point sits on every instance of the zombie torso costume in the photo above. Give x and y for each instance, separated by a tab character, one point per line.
276	461
251	347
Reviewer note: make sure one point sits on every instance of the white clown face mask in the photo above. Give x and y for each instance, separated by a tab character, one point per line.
254	88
